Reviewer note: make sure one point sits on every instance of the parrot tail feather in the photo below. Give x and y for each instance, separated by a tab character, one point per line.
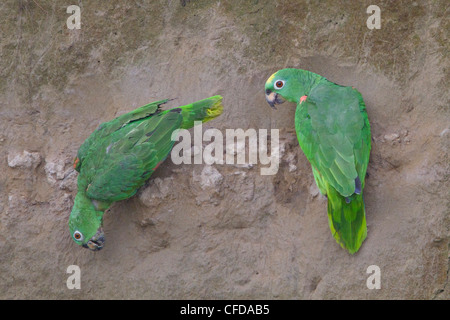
203	110
347	220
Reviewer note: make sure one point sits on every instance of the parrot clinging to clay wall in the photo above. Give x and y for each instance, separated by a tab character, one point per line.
334	133
120	155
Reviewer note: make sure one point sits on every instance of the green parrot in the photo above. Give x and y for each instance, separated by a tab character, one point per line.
334	133
120	155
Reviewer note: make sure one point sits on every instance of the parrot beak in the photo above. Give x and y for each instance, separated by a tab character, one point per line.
273	98
97	241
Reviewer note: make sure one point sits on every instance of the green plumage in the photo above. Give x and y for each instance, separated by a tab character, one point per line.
120	155
334	133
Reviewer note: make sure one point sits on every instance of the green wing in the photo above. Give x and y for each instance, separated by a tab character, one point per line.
121	163
333	132
107	128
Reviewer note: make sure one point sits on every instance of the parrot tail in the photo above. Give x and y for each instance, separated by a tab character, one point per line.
347	219
203	110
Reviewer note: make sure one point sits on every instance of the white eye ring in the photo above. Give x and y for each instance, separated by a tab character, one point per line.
279	84
77	235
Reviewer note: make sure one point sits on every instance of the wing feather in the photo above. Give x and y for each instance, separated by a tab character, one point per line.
130	157
107	128
333	131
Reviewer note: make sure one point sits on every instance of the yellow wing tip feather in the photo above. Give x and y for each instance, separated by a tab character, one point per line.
215	110
361	237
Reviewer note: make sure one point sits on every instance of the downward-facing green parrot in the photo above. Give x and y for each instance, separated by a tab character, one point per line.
120	155
334	133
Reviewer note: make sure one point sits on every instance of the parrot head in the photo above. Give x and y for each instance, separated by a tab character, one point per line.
286	84
85	223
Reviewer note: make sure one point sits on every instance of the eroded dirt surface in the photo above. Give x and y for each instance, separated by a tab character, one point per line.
223	231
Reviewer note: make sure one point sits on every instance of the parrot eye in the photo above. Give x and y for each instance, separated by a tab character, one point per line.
279	84
78	236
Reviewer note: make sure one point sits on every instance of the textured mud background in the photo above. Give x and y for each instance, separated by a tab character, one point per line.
223	231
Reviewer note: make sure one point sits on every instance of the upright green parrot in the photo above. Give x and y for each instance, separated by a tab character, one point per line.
120	155
334	133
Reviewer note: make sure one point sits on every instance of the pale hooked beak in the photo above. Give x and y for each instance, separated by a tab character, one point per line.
273	98
97	241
